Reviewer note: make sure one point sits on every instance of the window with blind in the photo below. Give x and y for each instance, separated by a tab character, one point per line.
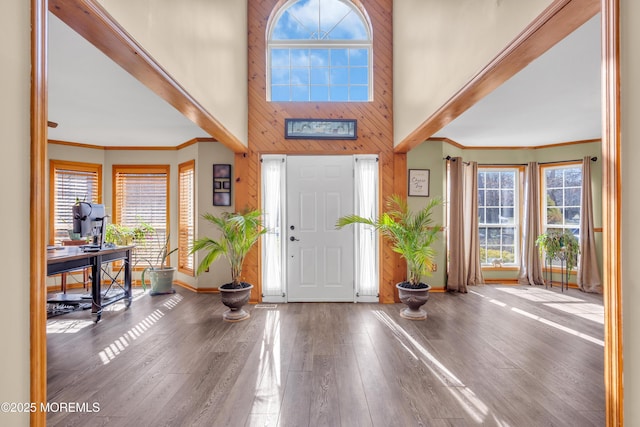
68	183
141	195
186	215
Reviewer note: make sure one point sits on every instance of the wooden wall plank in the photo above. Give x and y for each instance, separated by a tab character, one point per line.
375	119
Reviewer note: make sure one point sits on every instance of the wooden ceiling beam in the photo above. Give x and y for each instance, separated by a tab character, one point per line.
92	22
559	20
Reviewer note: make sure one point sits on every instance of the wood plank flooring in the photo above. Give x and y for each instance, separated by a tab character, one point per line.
497	356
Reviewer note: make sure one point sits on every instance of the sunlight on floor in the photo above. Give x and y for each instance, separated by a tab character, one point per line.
539	295
572	305
66	326
477	410
559	326
269	379
589	311
172	302
119	306
119	345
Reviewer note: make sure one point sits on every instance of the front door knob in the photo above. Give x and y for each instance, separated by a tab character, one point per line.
293	239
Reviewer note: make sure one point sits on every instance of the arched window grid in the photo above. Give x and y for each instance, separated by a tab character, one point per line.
300	77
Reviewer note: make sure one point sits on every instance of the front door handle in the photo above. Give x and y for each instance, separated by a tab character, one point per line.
293	239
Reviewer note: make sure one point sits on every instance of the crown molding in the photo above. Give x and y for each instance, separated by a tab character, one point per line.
123	147
537	147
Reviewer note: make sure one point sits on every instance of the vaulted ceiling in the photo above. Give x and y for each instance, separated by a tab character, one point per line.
554	99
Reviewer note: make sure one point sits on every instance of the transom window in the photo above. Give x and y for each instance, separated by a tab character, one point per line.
319	50
498	202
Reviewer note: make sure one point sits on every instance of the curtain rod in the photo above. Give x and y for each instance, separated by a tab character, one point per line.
593	159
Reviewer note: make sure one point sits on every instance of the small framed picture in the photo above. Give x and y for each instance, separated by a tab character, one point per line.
419	182
222	171
222	199
221	185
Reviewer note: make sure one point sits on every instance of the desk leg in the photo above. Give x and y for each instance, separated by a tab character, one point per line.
96	297
127	280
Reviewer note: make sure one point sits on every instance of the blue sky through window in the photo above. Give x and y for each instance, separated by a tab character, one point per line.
319	20
320	51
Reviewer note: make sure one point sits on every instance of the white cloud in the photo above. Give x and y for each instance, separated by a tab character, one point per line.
313	18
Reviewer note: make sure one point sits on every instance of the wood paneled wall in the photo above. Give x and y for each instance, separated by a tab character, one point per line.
375	127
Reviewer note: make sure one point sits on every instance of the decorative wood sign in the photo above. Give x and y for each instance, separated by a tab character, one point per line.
320	129
419	182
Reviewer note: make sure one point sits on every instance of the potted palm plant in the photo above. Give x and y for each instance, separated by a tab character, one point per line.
160	275
412	235
239	232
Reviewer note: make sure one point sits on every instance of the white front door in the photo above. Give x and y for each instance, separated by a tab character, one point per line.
320	263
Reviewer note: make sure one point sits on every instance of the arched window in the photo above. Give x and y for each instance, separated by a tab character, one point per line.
318	51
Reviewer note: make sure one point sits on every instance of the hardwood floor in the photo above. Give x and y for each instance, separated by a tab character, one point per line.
497	356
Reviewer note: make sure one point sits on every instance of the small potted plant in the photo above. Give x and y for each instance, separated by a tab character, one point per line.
121	235
559	244
412	235
160	275
239	232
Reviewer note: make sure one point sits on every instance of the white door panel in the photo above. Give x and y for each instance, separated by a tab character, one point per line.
319	258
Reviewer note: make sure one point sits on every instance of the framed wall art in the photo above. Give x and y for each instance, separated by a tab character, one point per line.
320	129
221	185
419	182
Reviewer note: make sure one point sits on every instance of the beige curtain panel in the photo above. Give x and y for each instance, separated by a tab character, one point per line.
588	270
456	276
472	237
530	260
464	241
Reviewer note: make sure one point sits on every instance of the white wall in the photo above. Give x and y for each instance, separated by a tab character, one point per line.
14	193
202	44
630	110
208	155
428	155
438	46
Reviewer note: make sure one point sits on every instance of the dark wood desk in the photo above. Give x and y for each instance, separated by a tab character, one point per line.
71	258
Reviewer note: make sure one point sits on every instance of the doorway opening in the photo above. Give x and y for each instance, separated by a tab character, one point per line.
304	256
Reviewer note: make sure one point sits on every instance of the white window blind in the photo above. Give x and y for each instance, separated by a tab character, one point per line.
141	194
186	216
71	182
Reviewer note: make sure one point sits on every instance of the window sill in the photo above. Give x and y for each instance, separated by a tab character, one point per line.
504	268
